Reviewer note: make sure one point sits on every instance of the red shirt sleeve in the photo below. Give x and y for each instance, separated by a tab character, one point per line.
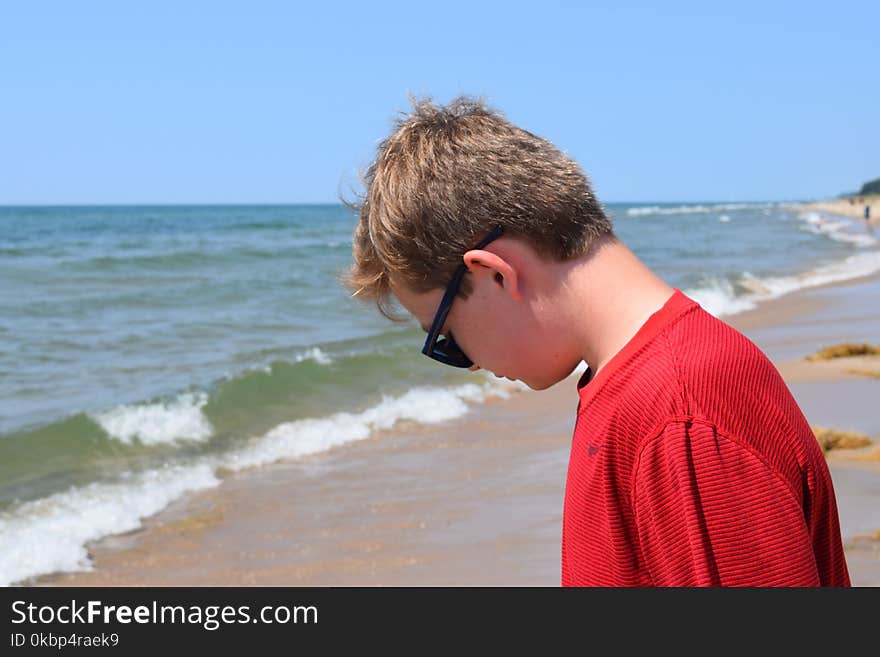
710	512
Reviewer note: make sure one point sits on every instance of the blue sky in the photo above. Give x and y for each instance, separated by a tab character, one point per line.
280	102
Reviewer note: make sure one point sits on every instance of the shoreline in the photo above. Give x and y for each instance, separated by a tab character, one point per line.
844	208
470	501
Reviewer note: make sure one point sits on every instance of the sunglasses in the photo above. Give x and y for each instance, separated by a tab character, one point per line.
444	348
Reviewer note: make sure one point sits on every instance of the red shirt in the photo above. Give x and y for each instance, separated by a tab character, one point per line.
692	465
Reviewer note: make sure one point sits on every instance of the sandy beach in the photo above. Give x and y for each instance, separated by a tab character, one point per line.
478	500
843	207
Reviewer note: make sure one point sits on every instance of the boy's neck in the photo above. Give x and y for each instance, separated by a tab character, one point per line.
608	297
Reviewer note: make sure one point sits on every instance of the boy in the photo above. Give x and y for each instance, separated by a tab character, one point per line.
691	464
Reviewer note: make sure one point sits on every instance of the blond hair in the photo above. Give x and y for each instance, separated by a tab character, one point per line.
443	178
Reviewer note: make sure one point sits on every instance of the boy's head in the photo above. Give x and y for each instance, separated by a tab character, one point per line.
441	182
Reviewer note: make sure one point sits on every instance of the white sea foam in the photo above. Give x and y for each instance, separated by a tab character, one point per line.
160	422
50	534
316	355
313	353
424	405
855	266
838	228
719	297
691	209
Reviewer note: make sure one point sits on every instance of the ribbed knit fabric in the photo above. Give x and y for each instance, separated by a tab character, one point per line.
692	465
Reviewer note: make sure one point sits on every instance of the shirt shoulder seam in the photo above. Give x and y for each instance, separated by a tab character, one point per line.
690	419
682	387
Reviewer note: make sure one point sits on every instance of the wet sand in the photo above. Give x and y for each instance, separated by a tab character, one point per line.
478	500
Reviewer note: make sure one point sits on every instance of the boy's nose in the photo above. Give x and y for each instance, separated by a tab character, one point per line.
474	368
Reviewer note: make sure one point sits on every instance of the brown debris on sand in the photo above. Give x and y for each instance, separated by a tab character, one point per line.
872	374
833	439
844	350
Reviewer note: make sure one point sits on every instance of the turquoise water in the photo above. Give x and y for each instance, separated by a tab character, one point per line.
146	350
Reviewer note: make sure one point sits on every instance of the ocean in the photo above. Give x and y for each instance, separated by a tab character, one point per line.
148	351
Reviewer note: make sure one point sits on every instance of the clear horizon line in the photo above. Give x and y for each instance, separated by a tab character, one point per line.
338	204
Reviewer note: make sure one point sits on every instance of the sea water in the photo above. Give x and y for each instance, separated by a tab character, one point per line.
145	351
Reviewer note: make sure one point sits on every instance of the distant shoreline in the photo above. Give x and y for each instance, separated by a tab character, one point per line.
844	207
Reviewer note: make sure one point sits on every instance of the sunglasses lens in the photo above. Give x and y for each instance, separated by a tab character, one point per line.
447	351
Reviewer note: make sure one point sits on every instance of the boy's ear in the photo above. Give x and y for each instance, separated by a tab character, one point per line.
482	263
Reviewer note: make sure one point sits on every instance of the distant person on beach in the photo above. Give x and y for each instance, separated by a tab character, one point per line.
868	215
691	464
